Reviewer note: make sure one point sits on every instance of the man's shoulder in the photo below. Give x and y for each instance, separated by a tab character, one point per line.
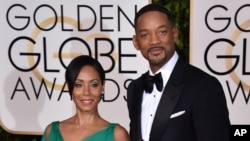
136	80
197	73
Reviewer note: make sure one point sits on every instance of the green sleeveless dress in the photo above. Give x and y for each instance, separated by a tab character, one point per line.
106	134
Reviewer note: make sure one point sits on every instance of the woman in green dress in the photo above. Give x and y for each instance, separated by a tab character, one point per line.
85	79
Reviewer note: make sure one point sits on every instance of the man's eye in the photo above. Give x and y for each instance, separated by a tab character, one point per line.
163	32
144	35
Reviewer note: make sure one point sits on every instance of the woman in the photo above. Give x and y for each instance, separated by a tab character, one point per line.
85	78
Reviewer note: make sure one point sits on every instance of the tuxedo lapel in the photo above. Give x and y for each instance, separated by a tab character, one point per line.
168	101
138	92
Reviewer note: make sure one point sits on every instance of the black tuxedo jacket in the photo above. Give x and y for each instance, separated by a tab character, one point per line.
192	108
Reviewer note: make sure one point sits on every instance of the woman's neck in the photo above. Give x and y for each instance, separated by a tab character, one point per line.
86	119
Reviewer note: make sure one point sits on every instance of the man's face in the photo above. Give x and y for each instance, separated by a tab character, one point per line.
155	38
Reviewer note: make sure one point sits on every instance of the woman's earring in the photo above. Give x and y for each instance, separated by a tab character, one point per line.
102	95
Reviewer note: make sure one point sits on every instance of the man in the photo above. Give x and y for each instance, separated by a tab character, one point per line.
189	104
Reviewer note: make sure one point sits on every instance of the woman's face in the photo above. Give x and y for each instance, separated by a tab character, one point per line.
87	89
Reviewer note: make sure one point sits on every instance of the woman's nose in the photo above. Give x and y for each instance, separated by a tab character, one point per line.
86	90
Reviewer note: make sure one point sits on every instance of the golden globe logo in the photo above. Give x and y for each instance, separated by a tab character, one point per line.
235	55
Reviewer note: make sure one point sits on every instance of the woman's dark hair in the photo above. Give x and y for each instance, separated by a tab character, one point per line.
76	65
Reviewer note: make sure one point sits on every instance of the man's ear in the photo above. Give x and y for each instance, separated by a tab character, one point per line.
135	43
176	33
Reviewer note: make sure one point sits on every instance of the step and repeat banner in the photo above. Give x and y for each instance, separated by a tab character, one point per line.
38	40
220	45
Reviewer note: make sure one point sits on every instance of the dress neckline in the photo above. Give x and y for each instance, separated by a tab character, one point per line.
95	133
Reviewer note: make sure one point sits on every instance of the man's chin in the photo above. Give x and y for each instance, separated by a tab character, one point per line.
157	60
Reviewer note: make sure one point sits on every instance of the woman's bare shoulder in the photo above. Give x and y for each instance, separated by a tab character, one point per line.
121	134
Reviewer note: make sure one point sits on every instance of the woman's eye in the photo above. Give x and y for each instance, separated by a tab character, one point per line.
78	85
95	84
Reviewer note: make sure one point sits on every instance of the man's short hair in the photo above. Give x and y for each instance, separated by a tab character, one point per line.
152	7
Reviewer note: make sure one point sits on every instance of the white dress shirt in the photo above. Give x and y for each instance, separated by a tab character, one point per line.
150	101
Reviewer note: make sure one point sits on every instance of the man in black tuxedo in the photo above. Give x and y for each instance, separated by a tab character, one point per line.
185	104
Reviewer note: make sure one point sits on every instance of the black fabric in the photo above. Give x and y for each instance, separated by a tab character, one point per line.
149	82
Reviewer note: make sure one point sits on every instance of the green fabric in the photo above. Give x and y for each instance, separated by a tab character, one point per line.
106	134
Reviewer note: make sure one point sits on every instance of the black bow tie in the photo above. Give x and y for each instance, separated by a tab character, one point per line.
149	82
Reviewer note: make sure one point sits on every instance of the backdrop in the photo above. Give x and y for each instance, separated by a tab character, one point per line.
220	44
39	39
